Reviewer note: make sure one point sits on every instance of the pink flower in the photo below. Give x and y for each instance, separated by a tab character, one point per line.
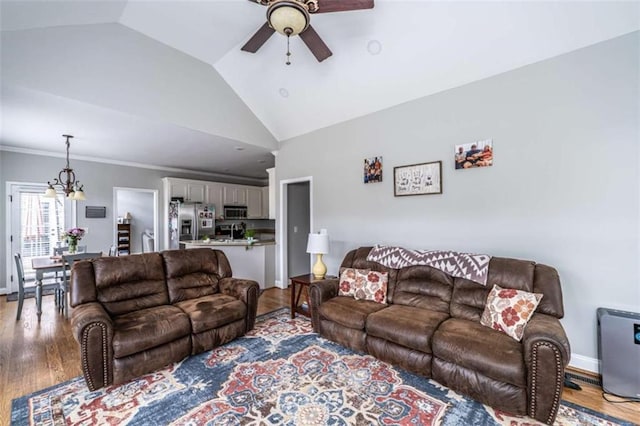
77	233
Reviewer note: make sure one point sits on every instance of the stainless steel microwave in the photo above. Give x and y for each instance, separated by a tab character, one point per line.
235	212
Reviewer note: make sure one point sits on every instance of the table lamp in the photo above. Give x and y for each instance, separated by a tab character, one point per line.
318	244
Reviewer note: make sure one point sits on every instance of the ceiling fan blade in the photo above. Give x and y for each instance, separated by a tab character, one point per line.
315	44
258	39
325	6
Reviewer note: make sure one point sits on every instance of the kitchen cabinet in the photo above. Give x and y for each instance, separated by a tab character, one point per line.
234	195
196	192
214	196
178	189
191	191
254	203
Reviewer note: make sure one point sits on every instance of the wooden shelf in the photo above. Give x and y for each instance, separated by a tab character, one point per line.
124	238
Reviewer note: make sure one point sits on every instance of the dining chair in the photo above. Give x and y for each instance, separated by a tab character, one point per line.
113	251
67	263
20	269
59	251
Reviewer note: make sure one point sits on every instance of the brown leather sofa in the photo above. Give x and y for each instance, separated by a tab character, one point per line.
431	326
135	314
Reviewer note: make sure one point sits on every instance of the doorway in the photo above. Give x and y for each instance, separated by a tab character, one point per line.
296	213
36	225
139	207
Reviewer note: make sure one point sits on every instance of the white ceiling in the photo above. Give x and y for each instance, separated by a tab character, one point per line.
427	47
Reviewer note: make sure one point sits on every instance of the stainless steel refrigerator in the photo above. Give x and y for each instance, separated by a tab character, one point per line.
190	221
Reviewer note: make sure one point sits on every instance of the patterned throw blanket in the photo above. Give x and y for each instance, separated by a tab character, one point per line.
474	267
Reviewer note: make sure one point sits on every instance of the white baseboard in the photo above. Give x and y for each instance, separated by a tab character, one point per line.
279	284
585	363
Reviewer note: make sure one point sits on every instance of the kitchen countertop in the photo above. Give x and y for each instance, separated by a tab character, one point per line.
222	243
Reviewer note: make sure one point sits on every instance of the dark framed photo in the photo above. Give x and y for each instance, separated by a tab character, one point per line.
418	179
373	169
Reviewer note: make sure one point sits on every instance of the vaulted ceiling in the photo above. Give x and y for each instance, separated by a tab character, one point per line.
166	82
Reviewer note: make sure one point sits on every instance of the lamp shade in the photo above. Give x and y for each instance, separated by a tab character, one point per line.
50	193
79	195
318	243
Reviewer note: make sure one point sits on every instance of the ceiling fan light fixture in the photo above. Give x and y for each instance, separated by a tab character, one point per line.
287	17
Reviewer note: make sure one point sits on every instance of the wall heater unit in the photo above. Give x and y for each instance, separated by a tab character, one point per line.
619	352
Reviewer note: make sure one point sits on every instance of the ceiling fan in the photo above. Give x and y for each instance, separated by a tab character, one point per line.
292	17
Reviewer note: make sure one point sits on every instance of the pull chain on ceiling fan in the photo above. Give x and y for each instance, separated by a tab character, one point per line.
292	17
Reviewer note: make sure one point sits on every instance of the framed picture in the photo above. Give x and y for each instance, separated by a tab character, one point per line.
418	179
373	169
474	154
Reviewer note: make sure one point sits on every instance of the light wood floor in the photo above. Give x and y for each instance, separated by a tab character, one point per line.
35	356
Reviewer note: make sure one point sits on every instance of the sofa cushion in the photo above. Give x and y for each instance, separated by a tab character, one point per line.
126	284
469	298
348	311
405	325
471	345
508	310
191	273
212	311
147	328
423	287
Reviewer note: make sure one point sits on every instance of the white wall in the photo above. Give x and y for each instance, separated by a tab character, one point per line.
564	188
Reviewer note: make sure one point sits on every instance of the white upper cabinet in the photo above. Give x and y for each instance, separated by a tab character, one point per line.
189	191
234	195
255	198
196	192
178	188
214	196
254	203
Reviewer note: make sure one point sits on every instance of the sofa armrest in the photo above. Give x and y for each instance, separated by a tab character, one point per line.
546	354
93	329
246	290
319	292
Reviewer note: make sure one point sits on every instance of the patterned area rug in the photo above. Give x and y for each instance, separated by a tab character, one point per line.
280	374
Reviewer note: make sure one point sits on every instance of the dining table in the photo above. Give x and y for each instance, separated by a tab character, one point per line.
41	266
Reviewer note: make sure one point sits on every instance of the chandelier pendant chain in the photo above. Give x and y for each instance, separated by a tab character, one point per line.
288	52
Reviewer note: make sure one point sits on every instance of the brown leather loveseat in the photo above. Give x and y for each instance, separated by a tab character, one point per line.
135	314
430	325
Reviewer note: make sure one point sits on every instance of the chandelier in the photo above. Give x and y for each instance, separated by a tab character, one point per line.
66	180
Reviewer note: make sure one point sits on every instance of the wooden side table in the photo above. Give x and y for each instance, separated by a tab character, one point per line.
302	283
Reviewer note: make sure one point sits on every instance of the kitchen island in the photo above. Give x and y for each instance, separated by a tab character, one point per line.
255	261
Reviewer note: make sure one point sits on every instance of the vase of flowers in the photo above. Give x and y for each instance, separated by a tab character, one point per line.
73	235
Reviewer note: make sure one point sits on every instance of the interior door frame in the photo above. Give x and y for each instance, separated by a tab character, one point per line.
283	282
10	187
156	212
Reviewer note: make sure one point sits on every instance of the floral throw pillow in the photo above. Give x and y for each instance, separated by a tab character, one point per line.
347	284
374	286
509	310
